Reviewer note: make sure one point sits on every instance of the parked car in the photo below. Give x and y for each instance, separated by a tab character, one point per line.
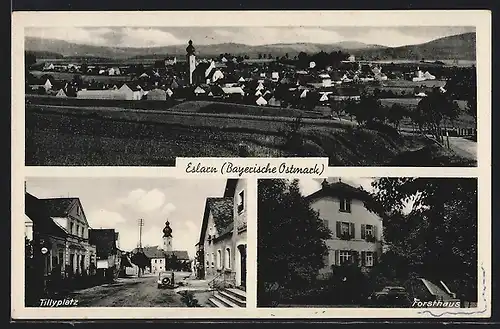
165	280
391	296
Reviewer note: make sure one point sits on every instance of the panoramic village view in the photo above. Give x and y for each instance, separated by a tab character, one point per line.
368	242
363	96
130	242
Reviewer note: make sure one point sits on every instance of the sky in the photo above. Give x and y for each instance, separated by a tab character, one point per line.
119	202
166	36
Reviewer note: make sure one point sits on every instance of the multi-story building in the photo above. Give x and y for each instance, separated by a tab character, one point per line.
356	231
223	235
60	236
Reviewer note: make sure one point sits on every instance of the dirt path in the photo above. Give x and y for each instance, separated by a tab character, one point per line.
130	292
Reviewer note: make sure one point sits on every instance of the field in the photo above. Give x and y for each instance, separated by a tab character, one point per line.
67	76
107	137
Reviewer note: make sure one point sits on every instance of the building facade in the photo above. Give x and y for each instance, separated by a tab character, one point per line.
108	255
222	246
60	235
356	231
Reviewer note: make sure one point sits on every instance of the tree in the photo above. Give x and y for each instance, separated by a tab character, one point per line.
437	237
141	260
291	237
434	110
29	60
337	108
396	114
471	107
260	56
269	56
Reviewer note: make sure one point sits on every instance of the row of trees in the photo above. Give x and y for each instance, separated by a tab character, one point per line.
431	115
436	239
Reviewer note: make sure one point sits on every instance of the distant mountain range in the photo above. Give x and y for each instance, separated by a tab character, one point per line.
462	47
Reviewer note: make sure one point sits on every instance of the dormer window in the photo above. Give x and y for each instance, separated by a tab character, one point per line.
345	205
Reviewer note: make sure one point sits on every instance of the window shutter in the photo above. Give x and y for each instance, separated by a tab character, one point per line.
348	205
338	229
353	234
374	230
363	233
337	257
363	258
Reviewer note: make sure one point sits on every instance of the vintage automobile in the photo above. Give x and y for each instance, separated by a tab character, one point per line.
391	296
165	280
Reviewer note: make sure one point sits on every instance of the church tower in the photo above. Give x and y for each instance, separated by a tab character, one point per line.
167	237
191	60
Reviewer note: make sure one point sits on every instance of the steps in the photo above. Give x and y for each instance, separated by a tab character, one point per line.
228	297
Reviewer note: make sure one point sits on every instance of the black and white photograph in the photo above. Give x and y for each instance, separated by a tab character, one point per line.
391	242
357	95
135	242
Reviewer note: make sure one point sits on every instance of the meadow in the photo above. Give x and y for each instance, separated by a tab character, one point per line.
116	137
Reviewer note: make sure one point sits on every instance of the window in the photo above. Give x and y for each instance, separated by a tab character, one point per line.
345	205
156	261
241	201
77	229
71	228
369	258
228	258
368	230
344	257
344	228
213	259
219	259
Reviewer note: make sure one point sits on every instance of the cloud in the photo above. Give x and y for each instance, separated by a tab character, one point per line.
309	185
168	209
103	218
147	37
394	38
271	35
93	36
117	37
144	201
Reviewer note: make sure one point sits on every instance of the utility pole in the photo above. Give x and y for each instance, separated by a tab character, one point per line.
141	224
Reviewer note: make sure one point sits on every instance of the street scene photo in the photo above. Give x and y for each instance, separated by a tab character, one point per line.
135	242
359	96
396	242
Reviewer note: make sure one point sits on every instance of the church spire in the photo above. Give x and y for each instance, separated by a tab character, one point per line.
190	48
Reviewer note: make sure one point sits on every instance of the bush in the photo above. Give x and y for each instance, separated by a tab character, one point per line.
188	299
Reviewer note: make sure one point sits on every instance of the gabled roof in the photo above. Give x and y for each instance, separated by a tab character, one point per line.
36	210
59	207
179	254
339	189
222	213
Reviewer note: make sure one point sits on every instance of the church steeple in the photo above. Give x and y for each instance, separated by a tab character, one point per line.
191	60
190	48
167	237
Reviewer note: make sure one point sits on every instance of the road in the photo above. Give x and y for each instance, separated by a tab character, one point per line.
128	292
464	147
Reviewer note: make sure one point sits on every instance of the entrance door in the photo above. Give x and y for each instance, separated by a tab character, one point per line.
243	262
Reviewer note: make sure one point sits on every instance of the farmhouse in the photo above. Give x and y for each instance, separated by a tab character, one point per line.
104	94
157	94
357	232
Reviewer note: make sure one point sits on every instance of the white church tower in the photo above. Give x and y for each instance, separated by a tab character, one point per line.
167	237
191	59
